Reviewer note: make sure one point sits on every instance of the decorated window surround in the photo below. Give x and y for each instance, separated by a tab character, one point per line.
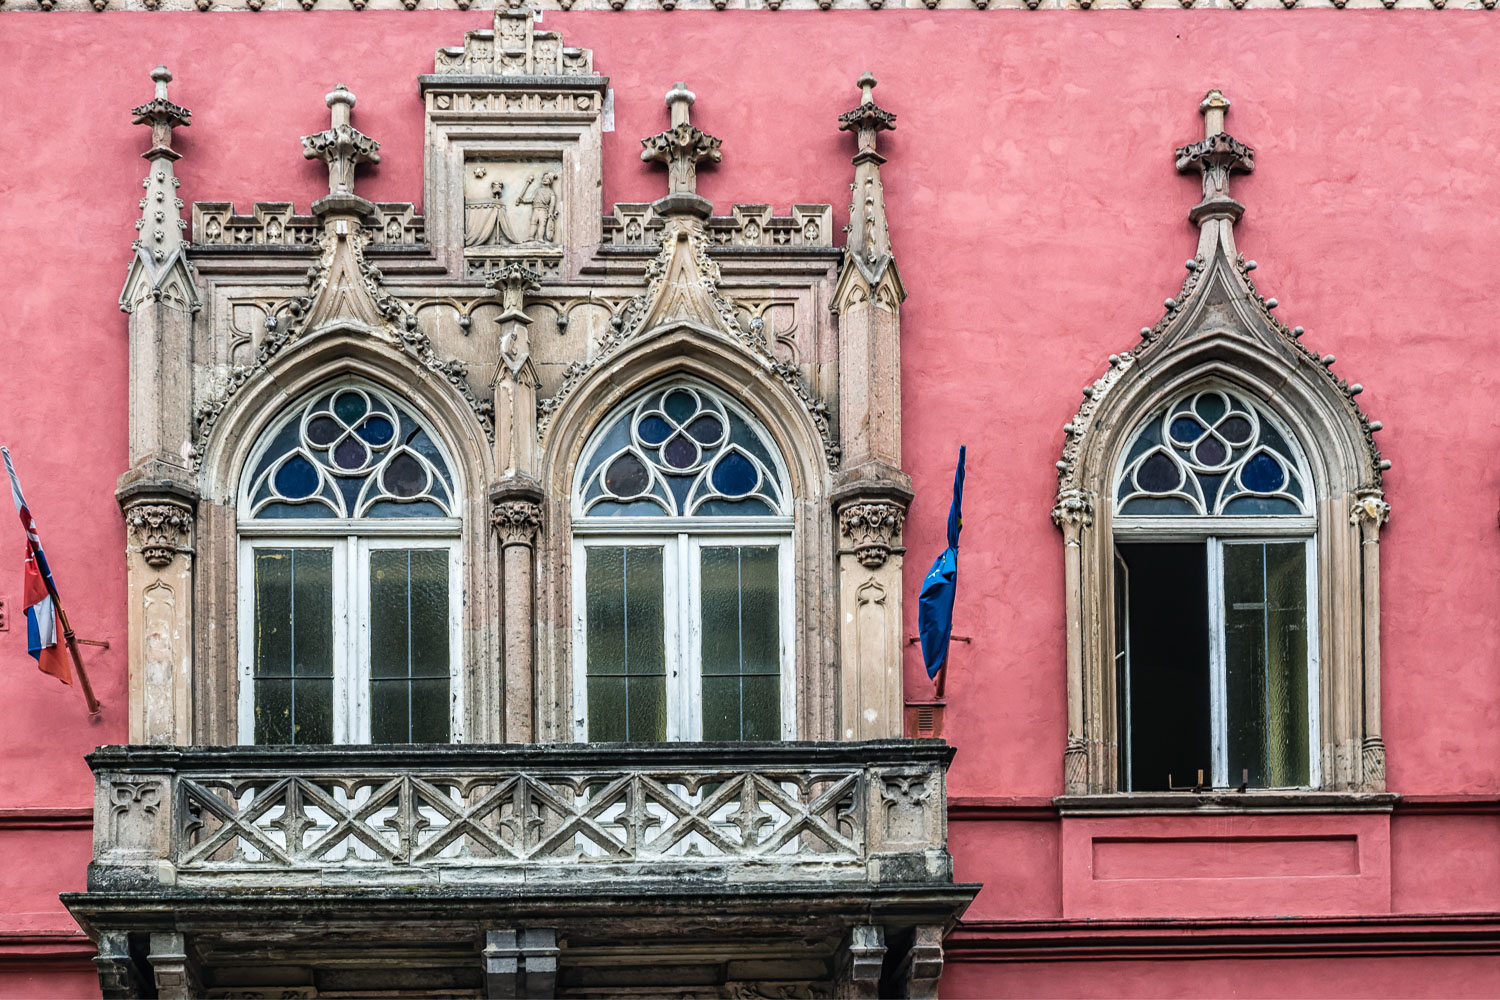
1219	330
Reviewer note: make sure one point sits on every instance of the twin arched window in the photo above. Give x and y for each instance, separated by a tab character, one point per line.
1216	652
350	594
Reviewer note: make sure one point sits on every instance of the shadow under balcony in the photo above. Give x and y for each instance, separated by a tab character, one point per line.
703	870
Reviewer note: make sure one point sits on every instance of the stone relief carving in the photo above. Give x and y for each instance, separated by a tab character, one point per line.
274	223
871	528
161	530
637	225
517	521
510	203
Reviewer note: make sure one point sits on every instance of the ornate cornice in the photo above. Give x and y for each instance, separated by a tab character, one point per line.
516	521
457	56
160	530
871	528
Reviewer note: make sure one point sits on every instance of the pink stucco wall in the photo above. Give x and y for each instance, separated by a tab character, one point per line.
1038	222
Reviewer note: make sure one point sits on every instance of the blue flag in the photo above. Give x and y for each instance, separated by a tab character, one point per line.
935	605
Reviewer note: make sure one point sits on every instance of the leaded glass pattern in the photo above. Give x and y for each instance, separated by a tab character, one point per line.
350	452
681	451
1212	452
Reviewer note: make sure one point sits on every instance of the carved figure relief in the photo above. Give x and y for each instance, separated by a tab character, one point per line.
495	189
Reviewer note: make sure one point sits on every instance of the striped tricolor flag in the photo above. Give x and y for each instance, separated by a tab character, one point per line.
42	631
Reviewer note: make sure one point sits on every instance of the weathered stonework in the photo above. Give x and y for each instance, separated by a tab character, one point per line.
159	530
872	529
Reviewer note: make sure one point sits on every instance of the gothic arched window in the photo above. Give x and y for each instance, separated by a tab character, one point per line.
682	573
1215	628
349	578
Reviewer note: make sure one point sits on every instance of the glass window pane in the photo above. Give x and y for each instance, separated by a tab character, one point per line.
409	628
1265	633
293	645
741	642
625	637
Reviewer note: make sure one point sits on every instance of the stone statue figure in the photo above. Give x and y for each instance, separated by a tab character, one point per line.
487	223
543	201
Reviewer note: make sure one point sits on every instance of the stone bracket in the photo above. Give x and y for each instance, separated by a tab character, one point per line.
520	963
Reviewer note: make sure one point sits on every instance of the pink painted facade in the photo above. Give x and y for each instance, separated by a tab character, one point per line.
1038	223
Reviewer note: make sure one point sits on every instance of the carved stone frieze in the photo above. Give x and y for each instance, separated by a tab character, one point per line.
513	47
160	530
516	521
872	529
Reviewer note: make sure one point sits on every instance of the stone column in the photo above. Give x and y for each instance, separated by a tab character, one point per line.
1370	513
159	492
1073	513
516	514
870	557
159	557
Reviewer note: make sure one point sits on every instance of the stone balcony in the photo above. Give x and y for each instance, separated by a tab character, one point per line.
777	869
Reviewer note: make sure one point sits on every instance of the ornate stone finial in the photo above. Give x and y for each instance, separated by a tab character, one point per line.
341	146
161	225
682	147
1217	156
869	232
163	116
872	529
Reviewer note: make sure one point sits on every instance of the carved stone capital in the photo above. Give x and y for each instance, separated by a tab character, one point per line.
1074	511
161	530
517	521
1370	510
872	529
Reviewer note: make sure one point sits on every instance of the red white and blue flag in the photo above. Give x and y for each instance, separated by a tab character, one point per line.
42	630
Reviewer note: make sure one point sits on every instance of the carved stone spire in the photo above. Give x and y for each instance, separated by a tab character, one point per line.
342	147
1216	157
869	235
161	224
682	147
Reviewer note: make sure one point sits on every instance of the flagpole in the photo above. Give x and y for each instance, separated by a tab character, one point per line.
72	643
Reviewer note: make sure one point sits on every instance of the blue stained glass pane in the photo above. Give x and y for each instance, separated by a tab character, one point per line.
413	508
376	430
284	441
423	445
746	437
1263	474
1210	485
1272	439
1157	505
297	479
280	510
734	475
653	429
349	407
679	406
1210	407
1185	430
636	508
1148	438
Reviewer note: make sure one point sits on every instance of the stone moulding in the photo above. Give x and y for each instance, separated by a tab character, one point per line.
275	224
636	225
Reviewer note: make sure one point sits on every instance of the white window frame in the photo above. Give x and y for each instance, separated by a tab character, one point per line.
351	542
681	540
1216	532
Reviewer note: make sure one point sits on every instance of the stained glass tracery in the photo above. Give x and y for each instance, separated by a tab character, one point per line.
350	452
681	451
1211	452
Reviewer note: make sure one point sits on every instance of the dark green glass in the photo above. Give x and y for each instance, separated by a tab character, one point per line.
625	637
409	652
1265	635
741	642
293	665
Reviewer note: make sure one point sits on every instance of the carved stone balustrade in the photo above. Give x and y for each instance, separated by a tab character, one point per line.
775	852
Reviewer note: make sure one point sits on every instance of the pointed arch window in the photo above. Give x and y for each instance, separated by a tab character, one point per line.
349	576
682	524
1216	611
